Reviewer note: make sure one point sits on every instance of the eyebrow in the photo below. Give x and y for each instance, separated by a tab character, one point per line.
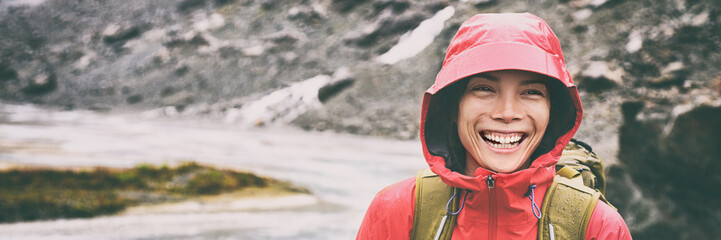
486	76
533	81
524	82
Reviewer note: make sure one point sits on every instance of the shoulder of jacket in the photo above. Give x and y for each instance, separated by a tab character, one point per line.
390	214
398	189
396	197
606	223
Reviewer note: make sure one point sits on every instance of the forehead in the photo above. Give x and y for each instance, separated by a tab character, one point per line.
523	77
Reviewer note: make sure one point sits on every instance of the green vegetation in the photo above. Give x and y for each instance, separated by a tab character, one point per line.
35	194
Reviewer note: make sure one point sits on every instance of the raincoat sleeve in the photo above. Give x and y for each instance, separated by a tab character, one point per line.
390	214
606	223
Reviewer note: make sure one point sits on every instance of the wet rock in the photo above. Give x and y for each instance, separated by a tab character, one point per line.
482	3
190	5
331	90
181	70
220	3
40	84
179	100
162	56
134	99
591	3
101	92
311	15
342	79
346	5
229	52
580	28
117	35
99	107
387	25
435	6
167	91
398	6
600	76
269	4
7	73
125	90
673	74
284	40
195	41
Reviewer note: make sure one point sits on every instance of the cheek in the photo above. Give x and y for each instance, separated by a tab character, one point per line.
464	110
470	108
541	116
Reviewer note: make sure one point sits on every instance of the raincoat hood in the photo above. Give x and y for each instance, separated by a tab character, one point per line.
491	42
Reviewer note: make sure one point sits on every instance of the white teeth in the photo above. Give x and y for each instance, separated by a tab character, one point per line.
505	141
504	145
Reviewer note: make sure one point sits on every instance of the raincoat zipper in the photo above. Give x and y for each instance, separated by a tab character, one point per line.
493	211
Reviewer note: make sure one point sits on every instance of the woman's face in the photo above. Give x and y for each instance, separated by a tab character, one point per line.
502	116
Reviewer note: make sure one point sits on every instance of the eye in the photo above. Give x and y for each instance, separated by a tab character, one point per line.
534	92
482	88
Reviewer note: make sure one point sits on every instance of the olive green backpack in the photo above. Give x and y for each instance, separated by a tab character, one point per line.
566	208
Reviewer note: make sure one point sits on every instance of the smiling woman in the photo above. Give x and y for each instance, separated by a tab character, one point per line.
501	119
493	127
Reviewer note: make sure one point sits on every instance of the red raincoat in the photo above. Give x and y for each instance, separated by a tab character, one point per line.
489	42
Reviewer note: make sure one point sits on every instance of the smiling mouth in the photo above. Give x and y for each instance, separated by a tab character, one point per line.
503	140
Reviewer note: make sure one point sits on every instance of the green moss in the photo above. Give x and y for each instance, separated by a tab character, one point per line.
35	194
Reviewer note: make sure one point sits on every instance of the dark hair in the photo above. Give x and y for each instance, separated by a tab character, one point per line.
442	132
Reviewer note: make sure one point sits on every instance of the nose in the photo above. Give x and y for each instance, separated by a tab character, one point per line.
506	110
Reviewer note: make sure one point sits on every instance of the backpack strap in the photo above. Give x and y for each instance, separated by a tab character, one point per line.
567	207
432	196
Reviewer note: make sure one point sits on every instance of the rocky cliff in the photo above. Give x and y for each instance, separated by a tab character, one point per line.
649	73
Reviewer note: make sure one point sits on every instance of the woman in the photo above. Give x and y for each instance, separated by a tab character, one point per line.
494	124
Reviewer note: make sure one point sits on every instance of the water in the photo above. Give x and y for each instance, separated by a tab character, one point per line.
342	171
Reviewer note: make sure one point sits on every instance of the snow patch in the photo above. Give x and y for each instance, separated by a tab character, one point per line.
672	67
635	41
602	69
416	40
204	23
281	106
582	14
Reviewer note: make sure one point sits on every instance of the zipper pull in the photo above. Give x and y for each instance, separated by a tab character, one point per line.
490	182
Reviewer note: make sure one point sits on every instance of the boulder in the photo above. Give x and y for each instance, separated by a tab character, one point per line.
674	162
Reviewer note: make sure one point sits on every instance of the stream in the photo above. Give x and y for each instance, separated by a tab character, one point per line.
343	172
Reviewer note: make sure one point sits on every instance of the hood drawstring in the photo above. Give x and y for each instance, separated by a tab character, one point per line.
534	207
463	203
448	212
